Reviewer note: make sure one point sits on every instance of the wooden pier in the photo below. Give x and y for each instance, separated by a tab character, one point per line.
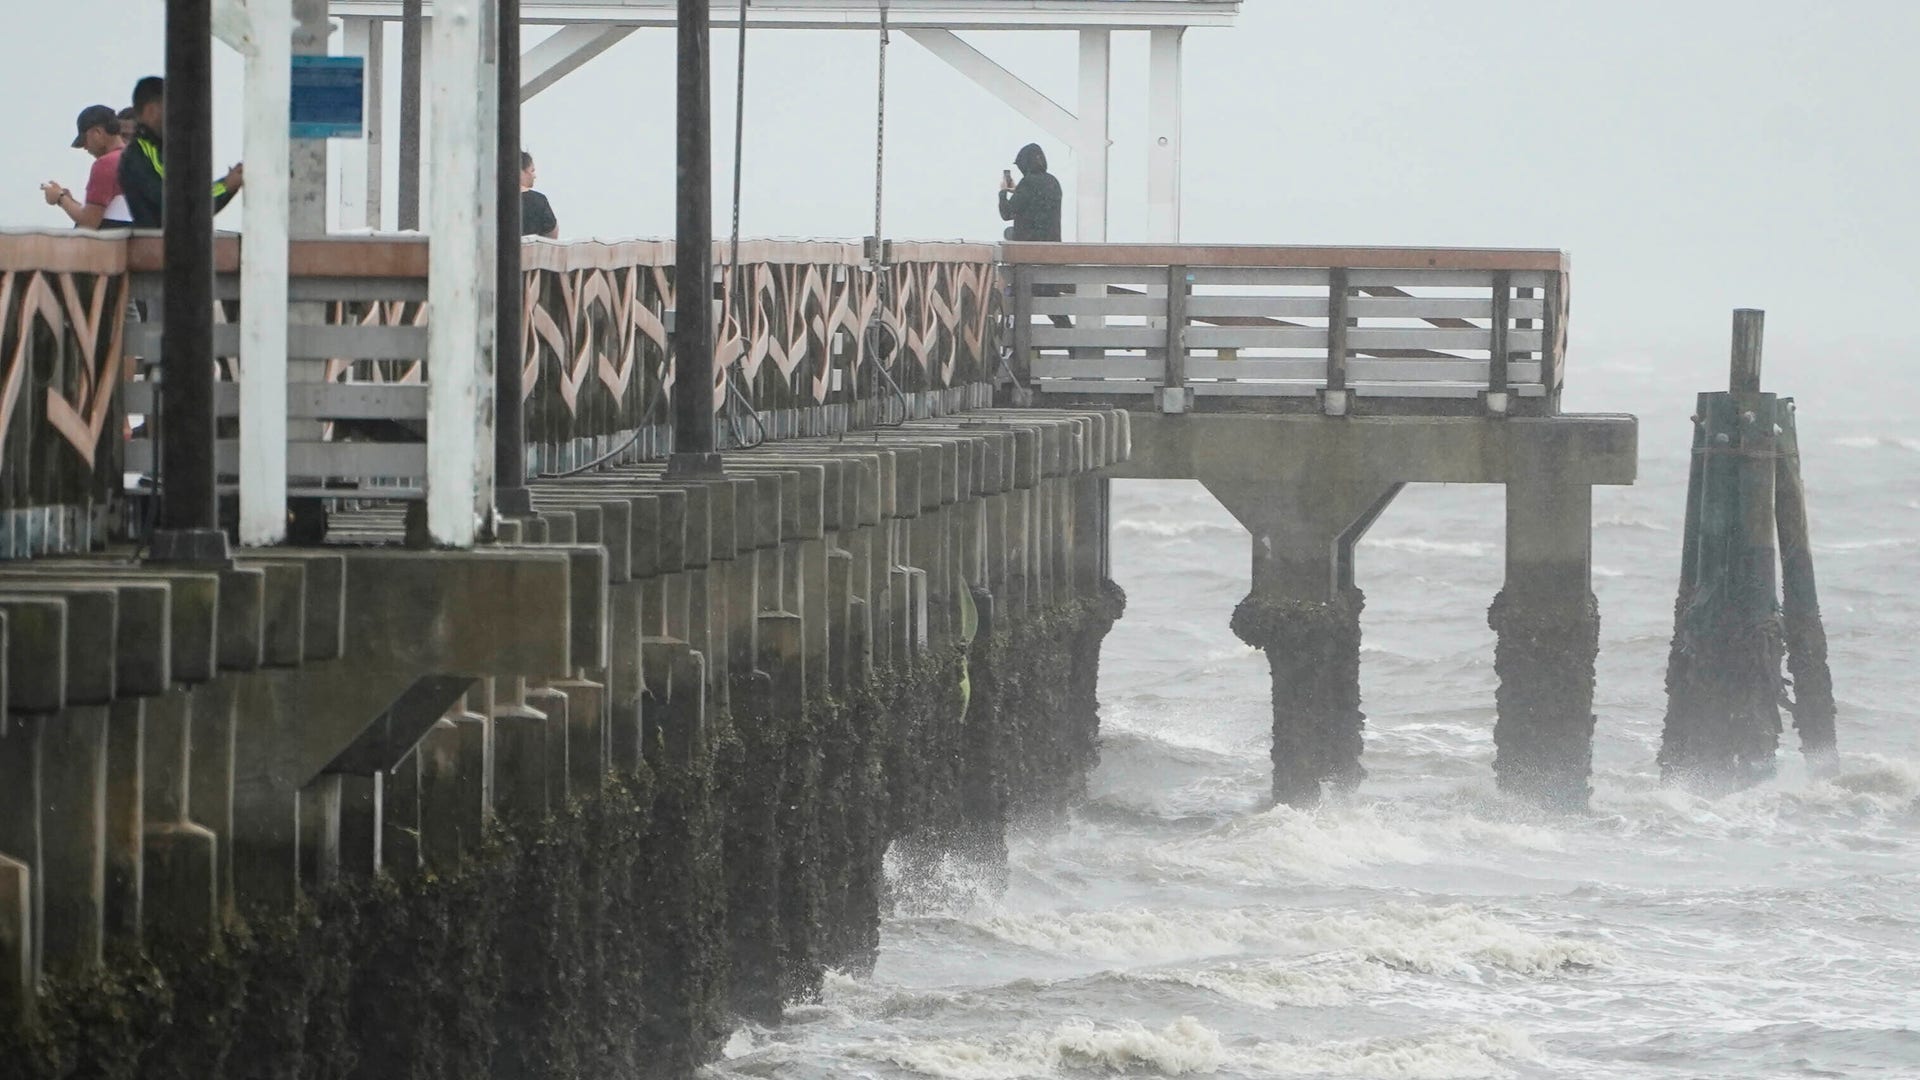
1305	387
879	625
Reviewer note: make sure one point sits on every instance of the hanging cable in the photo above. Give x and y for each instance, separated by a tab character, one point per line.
875	337
737	397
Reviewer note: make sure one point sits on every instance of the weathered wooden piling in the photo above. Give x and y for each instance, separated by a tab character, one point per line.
1724	680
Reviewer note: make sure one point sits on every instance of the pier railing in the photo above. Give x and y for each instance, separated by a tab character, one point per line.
82	332
1290	328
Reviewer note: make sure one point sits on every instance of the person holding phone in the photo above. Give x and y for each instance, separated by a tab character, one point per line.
1033	205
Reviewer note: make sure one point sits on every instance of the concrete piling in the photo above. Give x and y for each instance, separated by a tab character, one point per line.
704	711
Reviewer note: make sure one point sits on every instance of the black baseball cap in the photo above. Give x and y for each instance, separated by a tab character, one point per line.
95	116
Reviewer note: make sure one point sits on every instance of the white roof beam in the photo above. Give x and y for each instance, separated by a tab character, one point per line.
864	14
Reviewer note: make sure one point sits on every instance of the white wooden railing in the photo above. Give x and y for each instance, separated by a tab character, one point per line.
1332	329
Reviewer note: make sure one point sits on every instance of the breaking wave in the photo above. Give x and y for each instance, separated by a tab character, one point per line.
1448	939
1186	1047
1422	546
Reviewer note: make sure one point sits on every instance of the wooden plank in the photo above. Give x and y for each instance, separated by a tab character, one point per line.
1301	388
1094	386
1236	337
1337	329
323	290
1379	258
1375	337
1113	367
342	459
1142	276
1101	337
1203	306
1498	340
1359	369
1265	276
1431	390
352	342
309	401
1428	307
1124	304
1439	279
1179	285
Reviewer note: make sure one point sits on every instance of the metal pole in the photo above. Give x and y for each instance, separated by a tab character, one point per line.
509	436
189	524
693	435
410	116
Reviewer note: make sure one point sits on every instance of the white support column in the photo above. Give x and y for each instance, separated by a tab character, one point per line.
1163	136
308	209
564	53
263	276
353	180
376	140
460	276
1091	149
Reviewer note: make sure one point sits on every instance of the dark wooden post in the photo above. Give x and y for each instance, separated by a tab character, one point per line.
510	495
1550	358
1724	672
189	525
1749	328
410	29
1175	381
1498	350
1022	332
1337	293
693	434
1806	638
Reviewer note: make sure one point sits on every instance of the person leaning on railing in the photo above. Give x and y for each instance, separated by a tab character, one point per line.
143	165
104	207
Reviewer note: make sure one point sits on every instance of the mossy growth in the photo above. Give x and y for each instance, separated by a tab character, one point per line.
1313	655
615	937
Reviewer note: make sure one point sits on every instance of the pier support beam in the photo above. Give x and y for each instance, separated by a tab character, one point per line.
1304	612
1549	636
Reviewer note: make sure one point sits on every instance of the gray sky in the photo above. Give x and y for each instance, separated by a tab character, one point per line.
1693	156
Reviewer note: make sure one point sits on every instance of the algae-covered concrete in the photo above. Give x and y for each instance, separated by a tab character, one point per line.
557	809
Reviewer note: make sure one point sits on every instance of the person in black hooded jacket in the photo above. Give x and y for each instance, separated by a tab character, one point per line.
1034	208
1034	204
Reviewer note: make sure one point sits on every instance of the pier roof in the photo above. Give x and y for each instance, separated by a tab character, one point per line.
856	14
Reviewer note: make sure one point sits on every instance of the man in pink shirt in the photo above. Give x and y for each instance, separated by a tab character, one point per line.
105	207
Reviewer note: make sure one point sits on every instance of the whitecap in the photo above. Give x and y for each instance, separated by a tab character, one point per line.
1423	546
1451	1055
1185	1047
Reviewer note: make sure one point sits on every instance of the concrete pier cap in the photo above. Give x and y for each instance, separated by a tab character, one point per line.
1308	487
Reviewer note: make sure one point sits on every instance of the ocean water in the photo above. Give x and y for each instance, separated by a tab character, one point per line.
1425	928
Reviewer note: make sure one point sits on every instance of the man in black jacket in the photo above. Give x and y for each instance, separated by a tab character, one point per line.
1034	208
143	164
1034	204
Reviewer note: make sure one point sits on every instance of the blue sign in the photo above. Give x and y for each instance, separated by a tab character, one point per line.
329	97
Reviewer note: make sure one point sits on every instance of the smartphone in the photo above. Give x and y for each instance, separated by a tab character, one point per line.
1006	176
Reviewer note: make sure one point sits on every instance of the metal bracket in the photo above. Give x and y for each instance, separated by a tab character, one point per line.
1336	402
1175	400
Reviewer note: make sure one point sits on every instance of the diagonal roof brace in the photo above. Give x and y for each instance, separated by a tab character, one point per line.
1003	84
566	52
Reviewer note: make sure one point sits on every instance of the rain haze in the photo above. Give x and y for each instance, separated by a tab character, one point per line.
1693	157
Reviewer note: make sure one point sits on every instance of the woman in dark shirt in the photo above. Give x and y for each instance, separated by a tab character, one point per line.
536	213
